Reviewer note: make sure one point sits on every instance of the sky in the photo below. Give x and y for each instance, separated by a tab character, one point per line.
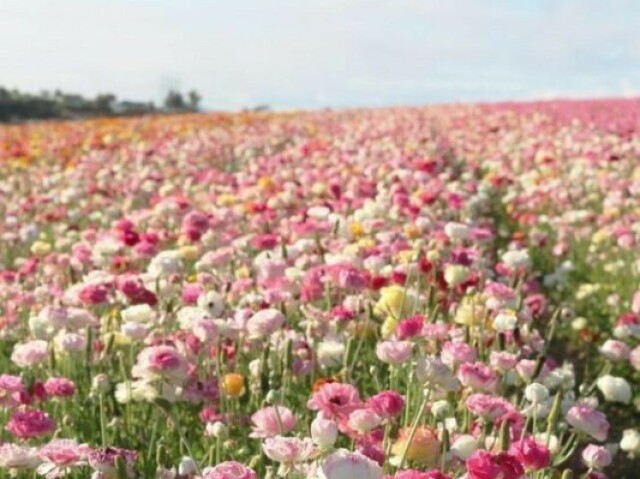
323	53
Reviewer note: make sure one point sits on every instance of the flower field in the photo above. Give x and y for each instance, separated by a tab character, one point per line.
413	293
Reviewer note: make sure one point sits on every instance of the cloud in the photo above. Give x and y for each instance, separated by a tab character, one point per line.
316	53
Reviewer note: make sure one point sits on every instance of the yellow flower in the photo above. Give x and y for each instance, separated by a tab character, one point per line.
395	302
388	327
243	272
189	252
366	243
119	339
405	257
233	384
225	200
423	449
412	231
265	183
470	311
356	229
40	248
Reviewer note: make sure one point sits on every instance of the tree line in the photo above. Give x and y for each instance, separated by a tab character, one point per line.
16	106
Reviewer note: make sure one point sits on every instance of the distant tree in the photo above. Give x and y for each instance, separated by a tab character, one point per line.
174	101
194	100
104	103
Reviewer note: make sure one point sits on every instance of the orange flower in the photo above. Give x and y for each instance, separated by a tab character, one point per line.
233	384
424	448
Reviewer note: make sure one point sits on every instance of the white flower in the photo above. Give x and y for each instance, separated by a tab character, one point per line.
464	446
536	393
14	456
264	323
212	302
630	442
187	466
330	353
516	259
455	274
165	263
324	432
139	313
134	331
505	321
457	231
614	389
344	464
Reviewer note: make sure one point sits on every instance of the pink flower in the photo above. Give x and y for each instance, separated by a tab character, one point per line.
531	454
394	352
485	465
478	377
160	361
589	421
93	294
29	423
229	470
413	474
264	323
596	457
634	358
387	404
335	400
615	350
410	327
30	354
271	421
59	455
288	451
363	420
502	361
454	354
103	460
488	407
10	389
60	387
342	464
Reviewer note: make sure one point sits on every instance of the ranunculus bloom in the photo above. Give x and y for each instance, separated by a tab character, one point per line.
59	387
413	474
229	470
386	404
394	352
160	361
335	400
588	420
103	460
30	423
478	377
264	323
597	457
531	454
288	451
324	432
423	449
363	420
345	464
30	354
486	465
15	456
271	421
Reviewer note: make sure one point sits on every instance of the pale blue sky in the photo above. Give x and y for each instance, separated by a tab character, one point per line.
316	53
